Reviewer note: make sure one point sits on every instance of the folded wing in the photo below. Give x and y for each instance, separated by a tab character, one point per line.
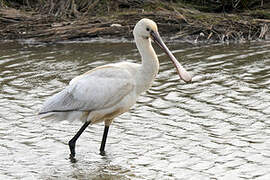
100	88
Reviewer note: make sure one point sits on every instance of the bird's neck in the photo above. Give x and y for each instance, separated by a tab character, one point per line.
150	65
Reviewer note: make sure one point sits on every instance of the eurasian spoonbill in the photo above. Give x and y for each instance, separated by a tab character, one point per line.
105	92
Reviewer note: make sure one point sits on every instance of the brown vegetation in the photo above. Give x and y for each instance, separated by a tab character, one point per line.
57	20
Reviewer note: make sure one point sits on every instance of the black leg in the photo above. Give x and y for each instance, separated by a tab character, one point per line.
104	138
72	142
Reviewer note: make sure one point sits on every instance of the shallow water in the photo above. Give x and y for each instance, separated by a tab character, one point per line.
217	127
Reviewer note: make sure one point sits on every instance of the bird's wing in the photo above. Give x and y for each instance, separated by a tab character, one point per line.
97	89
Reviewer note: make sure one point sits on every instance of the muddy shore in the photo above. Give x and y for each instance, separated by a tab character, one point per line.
177	23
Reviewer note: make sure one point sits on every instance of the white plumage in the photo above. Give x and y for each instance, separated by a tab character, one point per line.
107	91
92	95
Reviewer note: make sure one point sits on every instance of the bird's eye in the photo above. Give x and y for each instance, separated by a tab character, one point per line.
147	29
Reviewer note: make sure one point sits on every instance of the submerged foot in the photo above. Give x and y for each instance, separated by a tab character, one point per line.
72	158
102	153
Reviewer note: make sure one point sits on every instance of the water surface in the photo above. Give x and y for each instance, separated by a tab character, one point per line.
217	127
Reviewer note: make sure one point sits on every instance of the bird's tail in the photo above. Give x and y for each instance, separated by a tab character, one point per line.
62	116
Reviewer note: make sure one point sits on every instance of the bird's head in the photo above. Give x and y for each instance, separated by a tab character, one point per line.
146	29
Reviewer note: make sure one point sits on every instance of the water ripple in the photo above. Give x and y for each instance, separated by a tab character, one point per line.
216	127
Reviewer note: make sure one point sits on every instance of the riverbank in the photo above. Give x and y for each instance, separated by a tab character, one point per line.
175	20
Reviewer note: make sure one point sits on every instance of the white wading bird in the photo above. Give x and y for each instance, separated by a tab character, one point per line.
105	92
